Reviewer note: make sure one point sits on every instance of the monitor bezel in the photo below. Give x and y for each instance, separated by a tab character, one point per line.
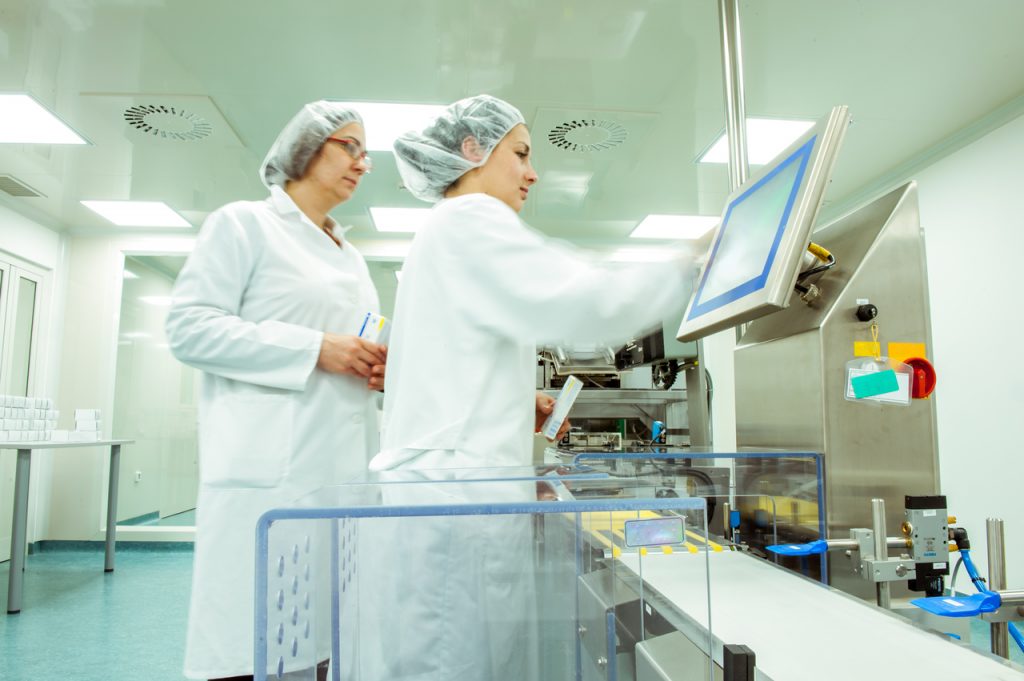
827	135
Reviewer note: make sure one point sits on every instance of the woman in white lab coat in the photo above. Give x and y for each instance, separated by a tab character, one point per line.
480	291
268	306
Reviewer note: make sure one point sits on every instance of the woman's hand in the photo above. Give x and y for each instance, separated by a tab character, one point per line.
545	405
352	356
376	381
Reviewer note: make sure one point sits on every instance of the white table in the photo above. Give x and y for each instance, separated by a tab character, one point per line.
20	519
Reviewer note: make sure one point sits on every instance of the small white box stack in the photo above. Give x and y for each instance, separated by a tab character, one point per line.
27	419
88	426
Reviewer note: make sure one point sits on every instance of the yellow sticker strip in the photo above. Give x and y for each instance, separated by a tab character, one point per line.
904	351
714	547
866	349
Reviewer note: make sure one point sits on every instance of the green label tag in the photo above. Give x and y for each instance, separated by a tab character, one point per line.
872	384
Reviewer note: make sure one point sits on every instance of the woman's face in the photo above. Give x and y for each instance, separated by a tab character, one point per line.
508	173
339	166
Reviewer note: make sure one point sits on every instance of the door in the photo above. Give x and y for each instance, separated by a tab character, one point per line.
19	325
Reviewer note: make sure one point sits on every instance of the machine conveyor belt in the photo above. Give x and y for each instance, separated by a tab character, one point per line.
803	631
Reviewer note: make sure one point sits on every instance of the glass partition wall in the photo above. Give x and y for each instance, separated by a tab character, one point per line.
155	402
20	292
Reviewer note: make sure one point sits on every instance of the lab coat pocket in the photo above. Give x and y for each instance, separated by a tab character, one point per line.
246	441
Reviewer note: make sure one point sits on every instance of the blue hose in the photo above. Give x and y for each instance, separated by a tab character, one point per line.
1015	633
972	571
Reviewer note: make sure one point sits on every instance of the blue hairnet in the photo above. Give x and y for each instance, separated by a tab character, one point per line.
431	160
301	139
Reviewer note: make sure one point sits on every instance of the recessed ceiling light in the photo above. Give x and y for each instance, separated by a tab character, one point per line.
766	138
385	121
23	120
674	226
398	219
642	255
137	213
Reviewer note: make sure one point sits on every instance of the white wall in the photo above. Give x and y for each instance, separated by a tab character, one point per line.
29	240
971	212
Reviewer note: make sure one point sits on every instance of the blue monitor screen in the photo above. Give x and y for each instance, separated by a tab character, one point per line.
749	237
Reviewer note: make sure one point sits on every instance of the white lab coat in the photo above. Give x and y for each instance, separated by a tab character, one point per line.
480	290
250	309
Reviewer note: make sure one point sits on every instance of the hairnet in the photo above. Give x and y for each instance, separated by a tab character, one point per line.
431	160
301	139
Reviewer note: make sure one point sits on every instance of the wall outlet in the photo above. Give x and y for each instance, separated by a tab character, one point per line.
138	476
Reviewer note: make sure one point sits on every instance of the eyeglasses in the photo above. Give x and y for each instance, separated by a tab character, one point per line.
354	149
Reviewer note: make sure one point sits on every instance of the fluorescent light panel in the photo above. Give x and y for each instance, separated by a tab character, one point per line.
674	226
385	121
23	120
137	213
766	138
398	219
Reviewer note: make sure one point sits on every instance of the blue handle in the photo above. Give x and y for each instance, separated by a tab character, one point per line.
959	606
815	547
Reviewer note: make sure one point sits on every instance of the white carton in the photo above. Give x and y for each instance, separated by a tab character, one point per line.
376	328
87	414
82	425
570	391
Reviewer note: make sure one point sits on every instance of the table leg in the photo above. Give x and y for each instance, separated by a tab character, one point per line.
115	469
19	524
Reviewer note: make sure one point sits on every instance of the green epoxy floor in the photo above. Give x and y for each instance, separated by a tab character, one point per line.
79	624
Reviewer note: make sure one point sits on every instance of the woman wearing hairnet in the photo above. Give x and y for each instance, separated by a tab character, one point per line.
480	291
269	306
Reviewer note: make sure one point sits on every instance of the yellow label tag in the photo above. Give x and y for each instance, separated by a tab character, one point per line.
866	349
902	351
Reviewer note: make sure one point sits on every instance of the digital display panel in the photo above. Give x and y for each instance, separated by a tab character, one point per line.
655	531
748	239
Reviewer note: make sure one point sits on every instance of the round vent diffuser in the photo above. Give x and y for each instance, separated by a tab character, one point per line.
167	122
587	135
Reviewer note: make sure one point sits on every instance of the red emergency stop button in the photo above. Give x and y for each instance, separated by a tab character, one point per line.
922	381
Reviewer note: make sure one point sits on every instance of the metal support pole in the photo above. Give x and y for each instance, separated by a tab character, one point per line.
883	590
736	132
735	110
997	582
853	545
115	468
19	524
697	417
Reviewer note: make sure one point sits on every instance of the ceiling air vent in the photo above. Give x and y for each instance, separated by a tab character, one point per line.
16	187
587	135
167	122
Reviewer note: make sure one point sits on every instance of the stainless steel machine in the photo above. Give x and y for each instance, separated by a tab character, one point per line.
791	378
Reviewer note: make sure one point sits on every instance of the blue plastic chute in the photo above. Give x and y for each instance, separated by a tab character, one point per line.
813	548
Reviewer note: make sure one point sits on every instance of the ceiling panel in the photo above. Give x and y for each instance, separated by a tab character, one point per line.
913	73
